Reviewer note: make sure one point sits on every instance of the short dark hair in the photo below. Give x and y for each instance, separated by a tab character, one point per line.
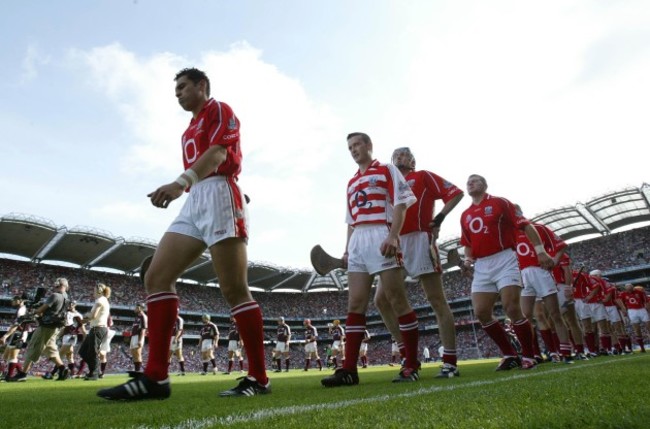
365	137
195	75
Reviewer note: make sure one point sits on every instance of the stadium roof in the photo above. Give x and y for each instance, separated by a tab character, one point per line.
40	240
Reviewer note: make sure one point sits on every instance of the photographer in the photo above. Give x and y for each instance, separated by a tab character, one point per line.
43	341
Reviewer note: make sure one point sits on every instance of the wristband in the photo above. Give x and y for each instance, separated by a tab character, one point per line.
539	249
182	181
437	220
194	178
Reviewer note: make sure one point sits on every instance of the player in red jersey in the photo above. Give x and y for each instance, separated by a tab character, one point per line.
214	216
489	228
594	299
613	307
421	257
564	279
635	301
138	334
15	339
583	310
378	197
539	283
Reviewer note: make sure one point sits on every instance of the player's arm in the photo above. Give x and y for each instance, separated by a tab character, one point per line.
592	293
545	261
446	209
390	245
350	230
10	331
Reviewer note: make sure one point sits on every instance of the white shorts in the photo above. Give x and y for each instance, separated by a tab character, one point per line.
612	314
233	346
364	254
493	273
582	309
206	345
336	345
394	349
214	210
420	257
135	342
598	312
363	348
638	315
282	347
537	282
176	345
310	347
69	340
561	296
106	344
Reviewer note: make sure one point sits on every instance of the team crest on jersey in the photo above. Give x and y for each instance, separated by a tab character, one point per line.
488	210
232	123
372	182
468	219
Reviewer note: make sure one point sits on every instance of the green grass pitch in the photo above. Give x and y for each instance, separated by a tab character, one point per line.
607	392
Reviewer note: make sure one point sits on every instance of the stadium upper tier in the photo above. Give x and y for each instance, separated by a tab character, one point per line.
40	240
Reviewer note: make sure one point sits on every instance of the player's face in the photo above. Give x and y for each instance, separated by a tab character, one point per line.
475	186
360	150
189	94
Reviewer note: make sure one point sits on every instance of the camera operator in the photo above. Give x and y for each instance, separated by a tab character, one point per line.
43	341
98	320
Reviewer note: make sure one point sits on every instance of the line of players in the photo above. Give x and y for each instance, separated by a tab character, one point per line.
335	351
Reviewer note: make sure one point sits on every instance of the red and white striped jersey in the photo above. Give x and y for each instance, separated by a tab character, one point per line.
373	194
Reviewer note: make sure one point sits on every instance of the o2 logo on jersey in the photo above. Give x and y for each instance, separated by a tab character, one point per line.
190	151
361	199
523	249
476	225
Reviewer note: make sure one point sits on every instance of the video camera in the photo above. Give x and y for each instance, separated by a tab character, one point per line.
32	302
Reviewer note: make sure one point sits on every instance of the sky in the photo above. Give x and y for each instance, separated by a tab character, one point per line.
547	100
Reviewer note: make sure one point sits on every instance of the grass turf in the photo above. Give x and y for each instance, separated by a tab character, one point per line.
607	392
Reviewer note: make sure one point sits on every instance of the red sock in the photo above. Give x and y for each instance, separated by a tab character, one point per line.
499	336
402	350
606	342
565	349
230	365
449	356
408	327
355	325
640	342
536	349
556	341
162	310
249	320
524	331
590	339
307	363
580	348
547	337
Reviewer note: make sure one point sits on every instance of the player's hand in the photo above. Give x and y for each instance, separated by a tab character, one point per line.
435	231
164	195
467	268
545	261
389	247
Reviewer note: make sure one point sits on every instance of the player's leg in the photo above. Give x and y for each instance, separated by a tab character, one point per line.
552	305
174	254
230	261
433	289
511	301
387	314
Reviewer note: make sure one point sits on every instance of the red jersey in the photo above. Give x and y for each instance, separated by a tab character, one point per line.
216	124
427	187
372	195
580	284
558	270
490	226
609	295
634	300
596	283
526	252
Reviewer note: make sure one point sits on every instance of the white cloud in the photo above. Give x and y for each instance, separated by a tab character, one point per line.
32	60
